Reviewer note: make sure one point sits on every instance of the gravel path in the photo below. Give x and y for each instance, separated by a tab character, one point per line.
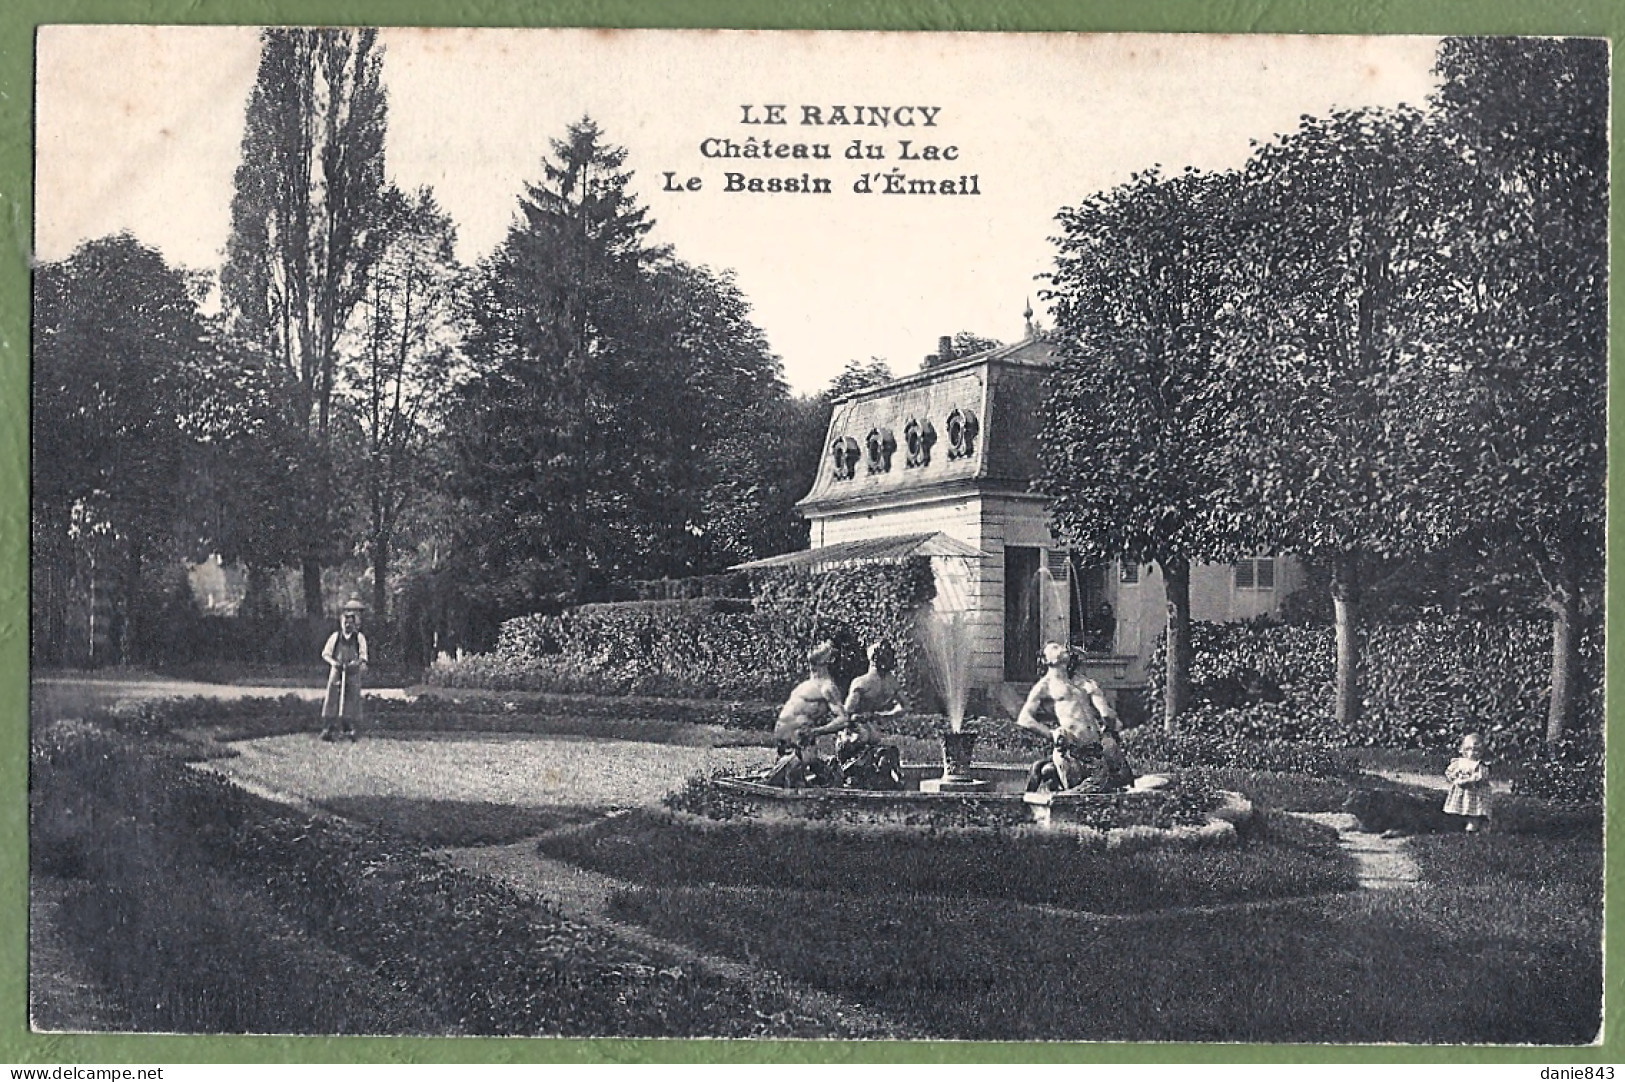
70	696
1382	863
518	769
1433	781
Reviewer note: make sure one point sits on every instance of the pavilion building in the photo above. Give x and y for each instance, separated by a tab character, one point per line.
941	464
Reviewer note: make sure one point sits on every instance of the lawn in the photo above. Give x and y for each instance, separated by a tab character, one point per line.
1409	966
1263	943
1283	857
449	824
999	936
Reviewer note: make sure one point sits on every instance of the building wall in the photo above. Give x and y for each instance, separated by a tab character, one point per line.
971	591
1142	606
1018	521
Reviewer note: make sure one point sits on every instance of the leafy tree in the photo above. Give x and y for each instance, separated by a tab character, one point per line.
1528	120
723	422
1334	346
773	451
858	375
406	339
305	233
1129	445
966	343
119	349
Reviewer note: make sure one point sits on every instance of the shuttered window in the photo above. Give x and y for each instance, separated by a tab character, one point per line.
1256	574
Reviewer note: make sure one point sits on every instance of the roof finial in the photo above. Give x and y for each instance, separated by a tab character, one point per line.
1032	331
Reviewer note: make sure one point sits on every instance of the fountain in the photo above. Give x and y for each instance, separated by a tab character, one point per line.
985	796
947	641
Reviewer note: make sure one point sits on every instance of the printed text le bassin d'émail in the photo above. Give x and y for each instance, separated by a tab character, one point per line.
755	160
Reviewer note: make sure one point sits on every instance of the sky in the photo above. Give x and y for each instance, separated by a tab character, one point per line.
139	129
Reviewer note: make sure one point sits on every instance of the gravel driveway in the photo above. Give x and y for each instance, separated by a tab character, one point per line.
519	770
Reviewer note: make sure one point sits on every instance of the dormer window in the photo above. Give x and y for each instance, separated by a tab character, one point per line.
918	436
962	431
844	455
879	446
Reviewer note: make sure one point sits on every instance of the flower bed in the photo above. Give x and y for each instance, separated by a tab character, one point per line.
1187	811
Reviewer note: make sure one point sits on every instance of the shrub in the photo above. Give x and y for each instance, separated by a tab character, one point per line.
1570	773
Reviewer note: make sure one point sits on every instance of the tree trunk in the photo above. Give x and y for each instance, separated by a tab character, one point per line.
1346	605
1176	578
256	603
380	576
314	609
1565	605
132	645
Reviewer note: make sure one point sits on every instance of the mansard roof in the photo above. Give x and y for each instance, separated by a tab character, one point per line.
995	397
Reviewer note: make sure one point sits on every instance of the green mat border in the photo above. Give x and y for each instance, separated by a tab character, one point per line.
18	20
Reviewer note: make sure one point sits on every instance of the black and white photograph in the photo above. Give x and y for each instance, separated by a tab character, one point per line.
818	535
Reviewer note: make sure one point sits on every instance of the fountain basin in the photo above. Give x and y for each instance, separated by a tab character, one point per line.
1000	805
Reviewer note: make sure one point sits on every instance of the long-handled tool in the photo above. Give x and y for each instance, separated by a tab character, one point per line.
344	690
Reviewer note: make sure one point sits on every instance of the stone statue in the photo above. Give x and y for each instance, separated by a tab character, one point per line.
1085	752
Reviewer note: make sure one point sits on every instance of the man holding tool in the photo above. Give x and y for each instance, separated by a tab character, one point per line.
346	657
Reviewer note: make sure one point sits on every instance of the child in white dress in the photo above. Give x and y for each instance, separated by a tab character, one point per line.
1469	778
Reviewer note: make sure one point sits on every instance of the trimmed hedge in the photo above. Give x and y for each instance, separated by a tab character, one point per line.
1146	745
711	647
1423	683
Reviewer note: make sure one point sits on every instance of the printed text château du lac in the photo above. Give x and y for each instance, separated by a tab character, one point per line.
910	142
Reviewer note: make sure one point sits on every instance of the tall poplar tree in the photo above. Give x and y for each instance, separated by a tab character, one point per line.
305	233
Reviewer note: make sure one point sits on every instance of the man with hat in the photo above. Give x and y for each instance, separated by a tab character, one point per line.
1085	752
346	657
799	726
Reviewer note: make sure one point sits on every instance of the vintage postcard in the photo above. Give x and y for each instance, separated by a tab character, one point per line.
827	535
